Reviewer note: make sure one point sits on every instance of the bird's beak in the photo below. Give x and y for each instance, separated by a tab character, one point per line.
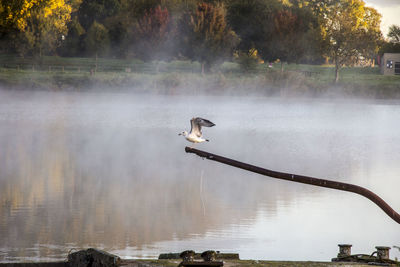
179	134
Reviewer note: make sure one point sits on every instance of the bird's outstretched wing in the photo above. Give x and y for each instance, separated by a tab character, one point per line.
196	124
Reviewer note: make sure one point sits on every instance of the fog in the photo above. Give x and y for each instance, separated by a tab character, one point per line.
108	170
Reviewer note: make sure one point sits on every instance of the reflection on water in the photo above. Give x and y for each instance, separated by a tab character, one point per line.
109	171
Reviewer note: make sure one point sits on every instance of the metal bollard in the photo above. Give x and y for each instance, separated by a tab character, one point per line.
208	255
187	255
344	250
383	252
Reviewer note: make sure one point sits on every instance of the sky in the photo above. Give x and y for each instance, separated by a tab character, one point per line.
390	11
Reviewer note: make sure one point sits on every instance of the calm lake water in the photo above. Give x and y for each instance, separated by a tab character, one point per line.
81	170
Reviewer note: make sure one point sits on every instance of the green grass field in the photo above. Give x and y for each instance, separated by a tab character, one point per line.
56	73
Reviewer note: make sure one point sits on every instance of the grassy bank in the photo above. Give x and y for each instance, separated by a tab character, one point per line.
184	77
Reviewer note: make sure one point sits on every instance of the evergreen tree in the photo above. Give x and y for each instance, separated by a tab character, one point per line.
392	45
253	22
97	10
35	26
394	34
97	41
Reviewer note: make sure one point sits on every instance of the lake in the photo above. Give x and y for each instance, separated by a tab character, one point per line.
108	170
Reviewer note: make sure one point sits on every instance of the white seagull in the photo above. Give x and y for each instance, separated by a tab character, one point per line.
195	135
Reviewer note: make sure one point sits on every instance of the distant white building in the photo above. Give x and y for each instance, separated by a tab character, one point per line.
390	64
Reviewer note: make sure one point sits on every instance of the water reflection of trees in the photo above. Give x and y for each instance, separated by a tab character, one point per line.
69	184
92	186
87	175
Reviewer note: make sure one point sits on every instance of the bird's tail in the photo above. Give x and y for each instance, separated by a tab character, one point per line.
207	140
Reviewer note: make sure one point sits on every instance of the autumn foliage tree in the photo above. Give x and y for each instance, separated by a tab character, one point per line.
35	26
207	31
296	36
206	36
350	30
285	44
371	38
152	33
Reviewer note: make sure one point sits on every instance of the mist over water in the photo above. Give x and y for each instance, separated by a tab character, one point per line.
108	170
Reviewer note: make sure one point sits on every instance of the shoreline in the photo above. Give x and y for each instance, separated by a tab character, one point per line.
288	84
92	257
227	263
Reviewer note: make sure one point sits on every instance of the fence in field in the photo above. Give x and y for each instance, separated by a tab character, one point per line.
92	65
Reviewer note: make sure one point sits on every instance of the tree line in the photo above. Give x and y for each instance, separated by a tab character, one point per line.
301	31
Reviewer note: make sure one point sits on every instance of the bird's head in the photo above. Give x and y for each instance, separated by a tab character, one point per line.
184	133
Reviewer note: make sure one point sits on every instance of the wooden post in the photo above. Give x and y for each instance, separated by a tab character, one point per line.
301	179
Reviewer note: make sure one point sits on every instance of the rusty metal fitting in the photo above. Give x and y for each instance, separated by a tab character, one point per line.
187	255
344	250
208	255
382	252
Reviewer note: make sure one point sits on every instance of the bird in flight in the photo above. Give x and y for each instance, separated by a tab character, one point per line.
195	135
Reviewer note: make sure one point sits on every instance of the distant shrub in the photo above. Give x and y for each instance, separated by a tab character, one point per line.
287	83
170	80
248	61
229	67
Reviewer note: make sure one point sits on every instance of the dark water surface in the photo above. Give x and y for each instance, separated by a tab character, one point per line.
82	170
